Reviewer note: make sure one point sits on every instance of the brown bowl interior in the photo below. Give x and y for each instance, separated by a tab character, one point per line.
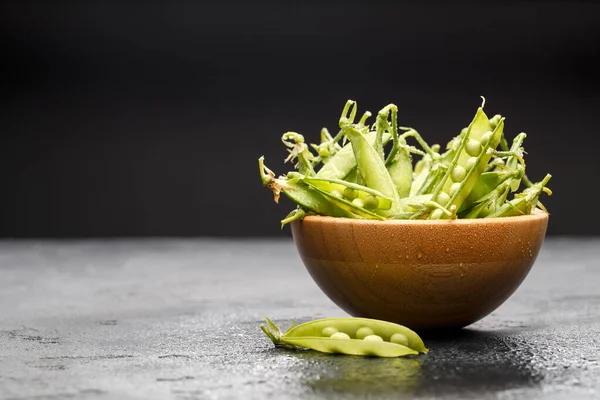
422	274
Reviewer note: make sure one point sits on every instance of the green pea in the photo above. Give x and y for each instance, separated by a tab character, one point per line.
458	173
371	202
358	202
454	188
486	136
443	198
495	120
399	339
327	332
336	193
349	193
471	162
363	332
373	338
437	214
473	147
340	335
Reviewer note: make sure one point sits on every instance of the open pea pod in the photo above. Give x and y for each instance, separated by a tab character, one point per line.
352	336
372	168
351	209
401	172
420	174
492	181
369	197
489	203
351	346
340	165
476	149
434	177
350	326
488	181
524	202
299	193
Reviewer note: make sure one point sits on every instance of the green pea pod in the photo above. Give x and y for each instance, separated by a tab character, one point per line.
524	202
436	173
406	215
512	171
401	172
488	181
489	203
453	147
514	162
351	191
353	176
343	162
421	172
299	193
399	161
372	167
354	347
349	336
475	151
349	207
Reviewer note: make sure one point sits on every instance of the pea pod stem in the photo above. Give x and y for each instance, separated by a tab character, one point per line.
411	132
294	215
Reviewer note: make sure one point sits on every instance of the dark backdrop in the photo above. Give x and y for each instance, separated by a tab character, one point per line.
132	119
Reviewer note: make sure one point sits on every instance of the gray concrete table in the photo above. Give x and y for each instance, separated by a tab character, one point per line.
179	319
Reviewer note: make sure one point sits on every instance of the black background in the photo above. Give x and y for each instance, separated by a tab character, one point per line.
133	118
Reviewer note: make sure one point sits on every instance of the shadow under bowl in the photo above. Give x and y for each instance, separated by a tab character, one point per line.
419	273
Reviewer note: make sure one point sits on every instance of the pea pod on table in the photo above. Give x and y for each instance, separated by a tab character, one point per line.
351	336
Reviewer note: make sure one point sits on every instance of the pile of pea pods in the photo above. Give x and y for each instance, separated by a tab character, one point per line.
369	171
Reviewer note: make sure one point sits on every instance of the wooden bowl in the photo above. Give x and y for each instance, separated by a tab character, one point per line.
421	274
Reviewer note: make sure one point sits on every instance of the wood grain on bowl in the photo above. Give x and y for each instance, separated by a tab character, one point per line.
420	273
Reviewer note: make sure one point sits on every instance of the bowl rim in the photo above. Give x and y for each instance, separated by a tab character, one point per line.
536	215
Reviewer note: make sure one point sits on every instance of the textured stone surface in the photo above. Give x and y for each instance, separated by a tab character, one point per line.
179	319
